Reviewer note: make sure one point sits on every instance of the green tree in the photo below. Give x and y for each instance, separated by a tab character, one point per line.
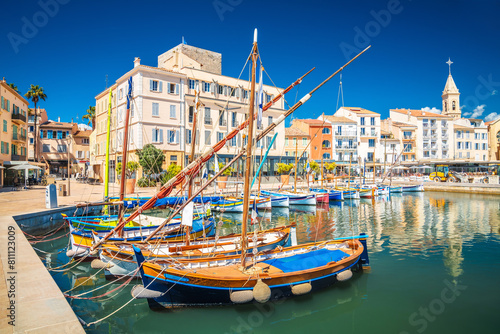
284	168
228	171
132	167
172	171
314	166
330	166
36	94
151	159
14	87
90	116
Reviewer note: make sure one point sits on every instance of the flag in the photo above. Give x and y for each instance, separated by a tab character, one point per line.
187	214
255	212
129	94
204	174
308	167
260	100
216	168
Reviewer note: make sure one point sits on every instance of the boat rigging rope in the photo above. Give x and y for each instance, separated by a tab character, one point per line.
45	240
104	294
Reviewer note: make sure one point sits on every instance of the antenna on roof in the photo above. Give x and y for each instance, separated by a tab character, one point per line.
341	94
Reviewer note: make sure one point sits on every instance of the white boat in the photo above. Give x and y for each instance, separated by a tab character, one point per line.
294	198
419	187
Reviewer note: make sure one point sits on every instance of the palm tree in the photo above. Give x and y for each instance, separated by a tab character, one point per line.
35	94
14	87
90	116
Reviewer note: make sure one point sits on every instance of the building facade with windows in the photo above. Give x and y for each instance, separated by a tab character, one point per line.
296	142
41	117
157	117
368	132
471	140
80	152
57	146
406	148
13	132
494	139
320	133
344	139
224	106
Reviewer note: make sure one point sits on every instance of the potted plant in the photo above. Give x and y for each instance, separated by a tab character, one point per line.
284	171
224	177
330	167
130	170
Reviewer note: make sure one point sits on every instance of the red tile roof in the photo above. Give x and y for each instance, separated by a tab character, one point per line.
419	113
360	110
295	132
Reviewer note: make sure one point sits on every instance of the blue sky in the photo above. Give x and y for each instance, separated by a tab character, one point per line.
73	47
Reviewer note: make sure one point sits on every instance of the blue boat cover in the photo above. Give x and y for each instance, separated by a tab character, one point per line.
132	203
308	260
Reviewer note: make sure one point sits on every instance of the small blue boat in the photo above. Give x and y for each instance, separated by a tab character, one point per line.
333	195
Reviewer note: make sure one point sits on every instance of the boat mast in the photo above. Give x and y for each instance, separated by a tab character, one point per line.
349	172
124	155
296	165
260	170
248	162
191	158
106	171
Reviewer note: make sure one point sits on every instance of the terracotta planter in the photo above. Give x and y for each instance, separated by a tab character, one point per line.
285	179
129	186
222	182
330	177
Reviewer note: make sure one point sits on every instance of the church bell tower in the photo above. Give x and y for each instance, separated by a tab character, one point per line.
451	97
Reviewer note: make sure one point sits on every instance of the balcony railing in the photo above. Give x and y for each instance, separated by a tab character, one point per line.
346	147
235	124
412	137
208	120
425	125
433	125
16	157
346	133
223	123
17	136
19	117
369	134
426	135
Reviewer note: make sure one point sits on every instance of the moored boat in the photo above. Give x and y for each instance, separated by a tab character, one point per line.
414	188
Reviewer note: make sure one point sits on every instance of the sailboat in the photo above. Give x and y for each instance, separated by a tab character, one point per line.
257	276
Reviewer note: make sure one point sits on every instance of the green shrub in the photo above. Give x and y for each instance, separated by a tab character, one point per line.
145	182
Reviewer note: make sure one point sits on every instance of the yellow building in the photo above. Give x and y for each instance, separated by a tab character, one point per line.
13	132
494	139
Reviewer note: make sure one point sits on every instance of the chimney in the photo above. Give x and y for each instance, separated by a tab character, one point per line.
137	61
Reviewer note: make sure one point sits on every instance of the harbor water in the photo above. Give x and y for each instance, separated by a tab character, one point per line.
434	259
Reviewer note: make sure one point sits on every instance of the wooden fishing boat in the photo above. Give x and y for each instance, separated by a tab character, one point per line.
81	240
279	274
366	193
333	195
280	202
395	190
119	259
416	188
227	205
293	198
350	194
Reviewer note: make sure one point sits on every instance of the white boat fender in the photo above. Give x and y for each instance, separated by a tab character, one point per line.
99	264
138	292
301	289
261	292
241	297
72	253
344	276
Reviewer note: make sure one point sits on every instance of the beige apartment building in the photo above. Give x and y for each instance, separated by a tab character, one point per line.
162	111
56	147
41	118
471	140
13	132
494	139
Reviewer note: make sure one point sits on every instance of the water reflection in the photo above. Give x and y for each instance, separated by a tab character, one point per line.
431	230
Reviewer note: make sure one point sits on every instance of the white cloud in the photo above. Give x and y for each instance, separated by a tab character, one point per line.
495	92
433	109
84	127
478	111
491	117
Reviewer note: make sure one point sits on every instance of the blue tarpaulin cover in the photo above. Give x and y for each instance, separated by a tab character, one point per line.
308	260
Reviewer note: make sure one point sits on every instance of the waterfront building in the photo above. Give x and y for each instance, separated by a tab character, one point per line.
224	106
13	133
296	141
320	133
80	151
368	132
392	142
433	135
41	117
57	146
471	140
406	135
344	138
156	117
494	139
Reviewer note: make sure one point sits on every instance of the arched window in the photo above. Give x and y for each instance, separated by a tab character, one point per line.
326	144
326	155
453	105
326	130
498	136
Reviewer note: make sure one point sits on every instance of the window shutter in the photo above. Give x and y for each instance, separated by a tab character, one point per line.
225	90
176	89
212	88
150	84
161	136
160	86
177	136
